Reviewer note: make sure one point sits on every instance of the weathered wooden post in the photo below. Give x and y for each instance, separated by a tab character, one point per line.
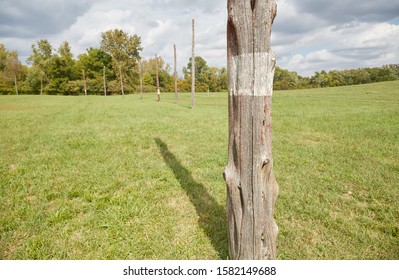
121	76
141	79
251	186
84	81
41	83
105	82
157	78
175	73
193	68
15	83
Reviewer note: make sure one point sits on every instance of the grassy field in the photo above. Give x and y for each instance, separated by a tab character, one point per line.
123	178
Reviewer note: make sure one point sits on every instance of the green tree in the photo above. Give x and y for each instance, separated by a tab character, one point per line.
65	52
93	63
149	74
284	79
58	76
202	73
13	69
125	52
40	60
3	56
217	79
213	80
66	57
320	79
61	70
223	79
201	69
384	74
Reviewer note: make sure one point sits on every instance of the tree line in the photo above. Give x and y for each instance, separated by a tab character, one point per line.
284	79
116	67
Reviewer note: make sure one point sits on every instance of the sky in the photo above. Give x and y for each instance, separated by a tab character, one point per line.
307	36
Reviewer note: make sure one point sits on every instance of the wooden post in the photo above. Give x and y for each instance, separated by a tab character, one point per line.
141	80
15	82
251	186
105	82
120	74
175	73
193	68
157	78
84	81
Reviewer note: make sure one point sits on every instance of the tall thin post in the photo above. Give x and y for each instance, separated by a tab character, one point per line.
15	82
157	78
141	80
193	68
175	73
120	74
251	186
105	82
84	81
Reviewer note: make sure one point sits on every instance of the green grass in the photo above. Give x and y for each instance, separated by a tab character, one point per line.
123	178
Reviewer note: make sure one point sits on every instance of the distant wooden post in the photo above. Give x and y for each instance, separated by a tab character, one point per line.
105	82
251	186
84	82
141	80
157	78
15	82
120	74
41	84
193	68
175	73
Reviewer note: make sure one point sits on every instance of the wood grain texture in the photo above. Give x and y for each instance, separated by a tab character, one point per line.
251	185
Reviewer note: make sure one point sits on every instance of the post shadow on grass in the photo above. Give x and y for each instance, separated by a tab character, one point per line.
212	216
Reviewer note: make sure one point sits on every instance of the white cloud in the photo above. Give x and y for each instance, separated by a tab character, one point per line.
352	46
37	17
320	59
160	23
307	36
86	31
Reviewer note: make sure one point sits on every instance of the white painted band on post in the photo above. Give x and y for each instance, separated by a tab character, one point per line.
264	73
253	74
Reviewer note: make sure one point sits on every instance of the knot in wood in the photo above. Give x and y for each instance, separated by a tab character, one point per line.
265	162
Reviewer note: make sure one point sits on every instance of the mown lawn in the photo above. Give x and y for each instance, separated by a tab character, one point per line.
122	178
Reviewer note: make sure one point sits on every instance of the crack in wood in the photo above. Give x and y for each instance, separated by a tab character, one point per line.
253	2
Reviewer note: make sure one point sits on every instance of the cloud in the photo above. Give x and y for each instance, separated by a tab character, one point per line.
353	46
289	21
86	31
342	11
37	17
160	23
307	35
310	36
365	41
